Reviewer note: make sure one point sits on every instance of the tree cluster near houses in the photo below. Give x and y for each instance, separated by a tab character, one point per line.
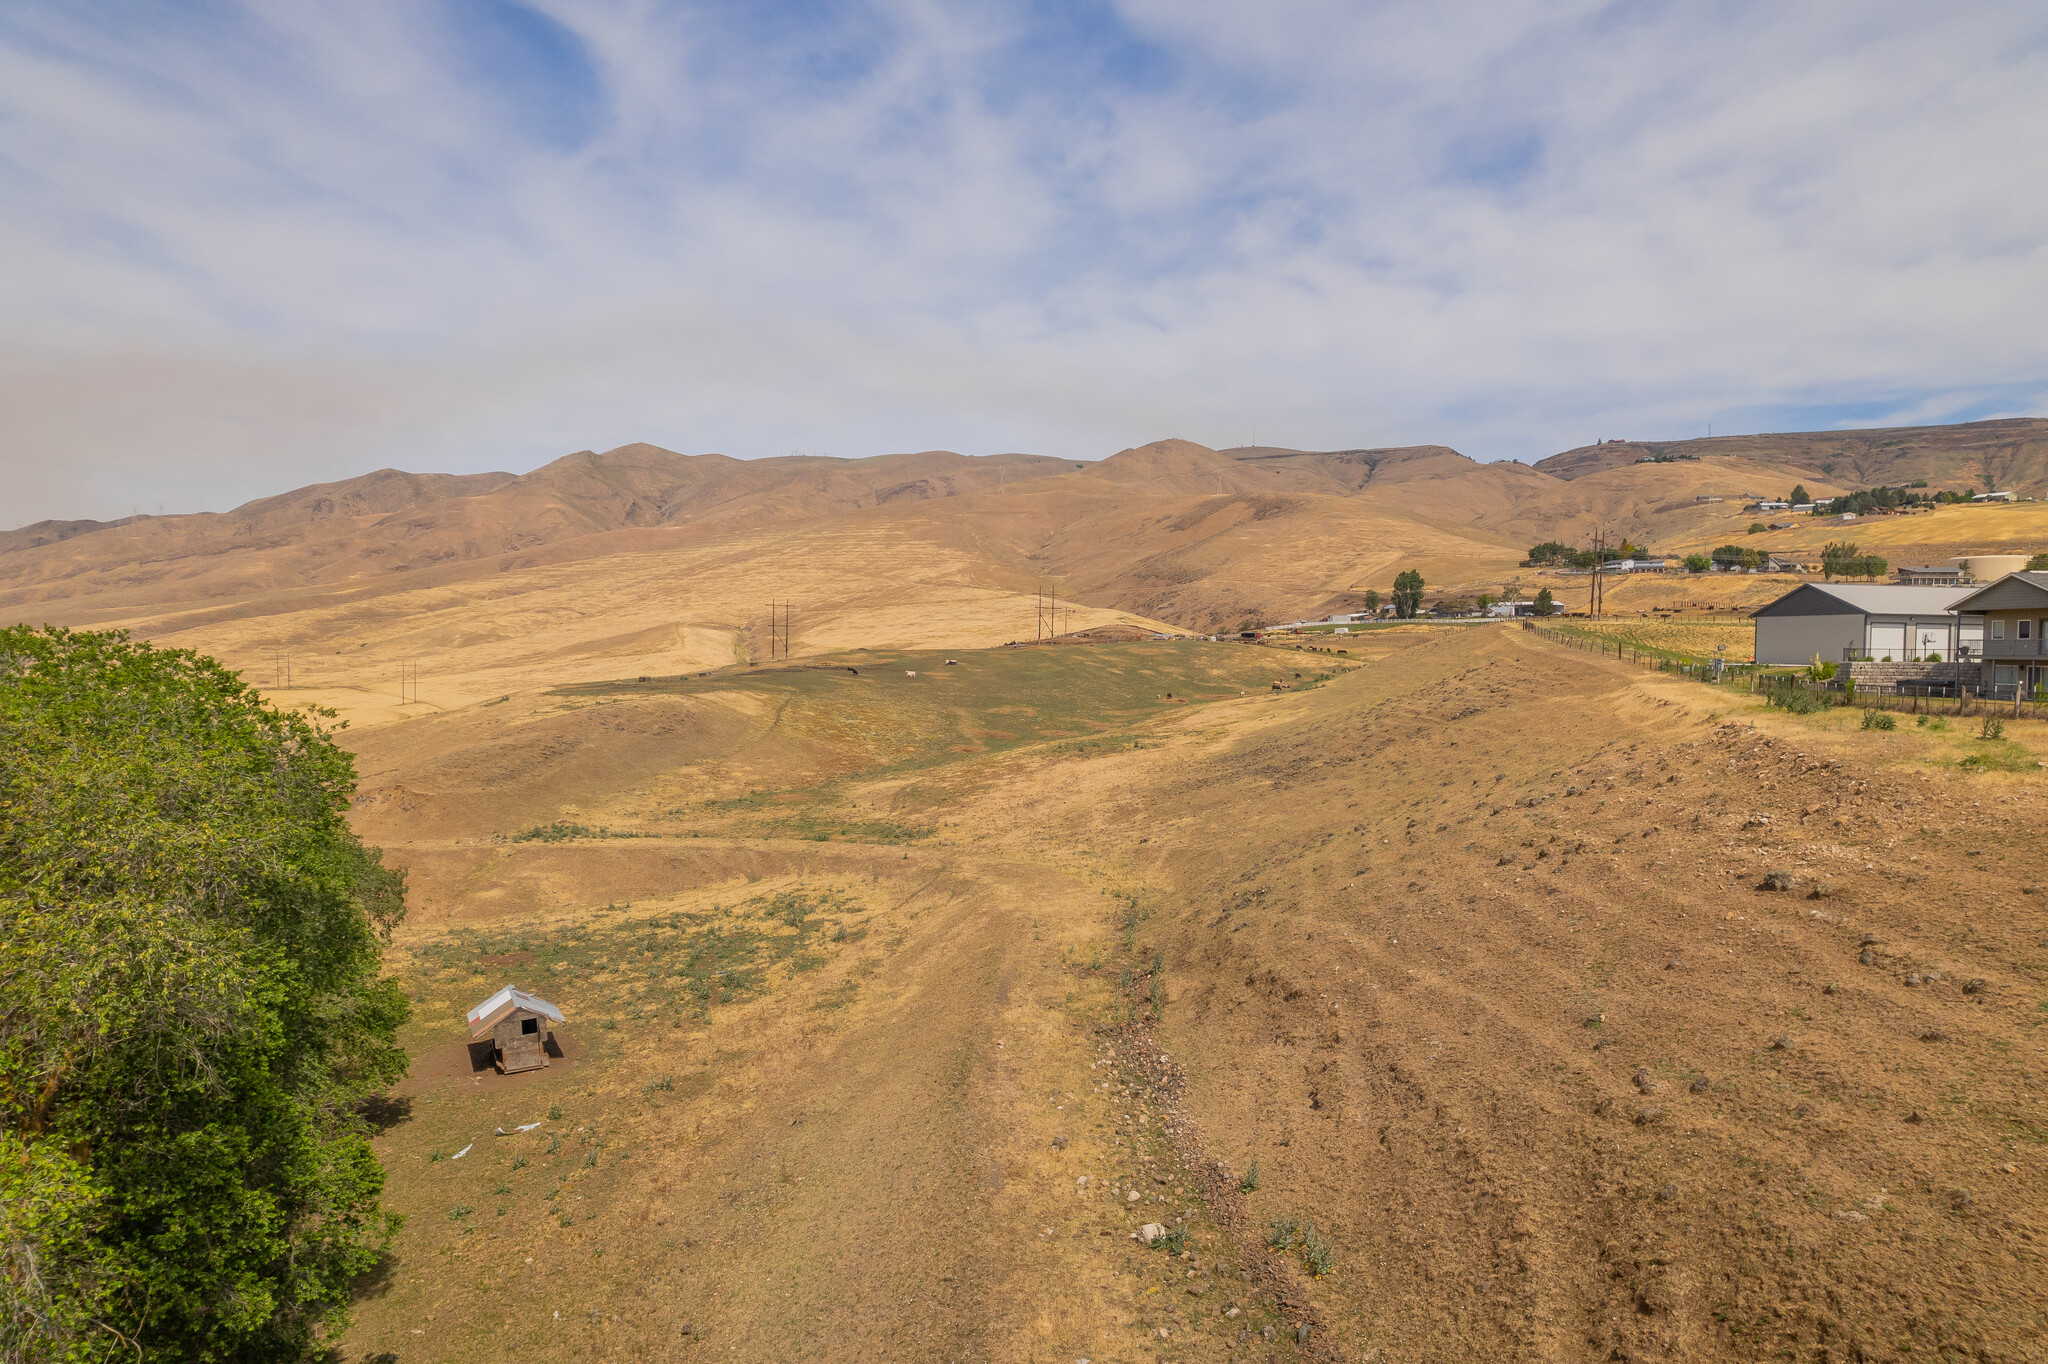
1843	559
1556	553
1884	498
1408	594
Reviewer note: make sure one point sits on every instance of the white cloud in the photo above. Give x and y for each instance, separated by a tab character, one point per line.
297	243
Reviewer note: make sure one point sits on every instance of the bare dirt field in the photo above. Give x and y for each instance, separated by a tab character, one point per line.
885	1038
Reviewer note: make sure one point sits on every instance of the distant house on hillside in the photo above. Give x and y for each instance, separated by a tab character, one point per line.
1934	576
1836	622
1995	497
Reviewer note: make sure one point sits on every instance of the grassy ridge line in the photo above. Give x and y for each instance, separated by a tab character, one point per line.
986	701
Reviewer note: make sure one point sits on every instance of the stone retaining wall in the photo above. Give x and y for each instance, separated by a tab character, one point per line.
1886	677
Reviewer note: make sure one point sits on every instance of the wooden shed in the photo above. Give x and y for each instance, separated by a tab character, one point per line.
517	1022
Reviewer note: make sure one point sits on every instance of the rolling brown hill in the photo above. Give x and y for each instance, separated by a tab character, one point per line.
640	559
2010	453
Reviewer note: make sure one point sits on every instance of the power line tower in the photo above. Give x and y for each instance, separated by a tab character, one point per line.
280	669
408	682
778	629
1048	624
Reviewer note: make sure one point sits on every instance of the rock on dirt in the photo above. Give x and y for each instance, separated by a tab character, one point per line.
1776	880
1150	1232
1701	1084
1648	1114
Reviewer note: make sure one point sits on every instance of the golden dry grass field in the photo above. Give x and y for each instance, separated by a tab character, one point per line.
1426	994
884	1039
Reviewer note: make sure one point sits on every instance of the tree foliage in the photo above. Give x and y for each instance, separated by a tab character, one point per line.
1545	605
1408	594
190	1011
1843	559
1551	552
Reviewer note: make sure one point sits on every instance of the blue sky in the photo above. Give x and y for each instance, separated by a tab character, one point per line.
253	245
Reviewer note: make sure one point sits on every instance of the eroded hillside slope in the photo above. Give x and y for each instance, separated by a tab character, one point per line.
1469	954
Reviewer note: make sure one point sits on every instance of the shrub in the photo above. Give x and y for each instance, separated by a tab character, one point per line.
1174	1241
1317	1253
1757	528
1994	728
1283	1233
1797	700
1879	719
1697	563
1250	1182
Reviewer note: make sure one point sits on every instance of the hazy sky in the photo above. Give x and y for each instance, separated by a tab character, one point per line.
253	245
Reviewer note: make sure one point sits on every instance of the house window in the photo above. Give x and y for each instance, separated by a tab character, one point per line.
2026	629
529	1026
1998	629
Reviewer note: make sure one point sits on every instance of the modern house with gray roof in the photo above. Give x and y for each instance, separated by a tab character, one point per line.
1839	622
2014	611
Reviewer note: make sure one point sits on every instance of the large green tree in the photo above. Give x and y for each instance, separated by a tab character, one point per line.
191	1011
1408	594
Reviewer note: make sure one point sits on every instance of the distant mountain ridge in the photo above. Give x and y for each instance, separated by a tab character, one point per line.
1171	530
2010	452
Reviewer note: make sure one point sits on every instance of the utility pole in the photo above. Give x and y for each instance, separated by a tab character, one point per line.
408	682
778	629
1599	563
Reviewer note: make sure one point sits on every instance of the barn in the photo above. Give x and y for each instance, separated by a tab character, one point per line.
1839	622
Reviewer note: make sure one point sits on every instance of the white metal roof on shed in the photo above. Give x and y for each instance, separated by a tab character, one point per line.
485	1016
1885	599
